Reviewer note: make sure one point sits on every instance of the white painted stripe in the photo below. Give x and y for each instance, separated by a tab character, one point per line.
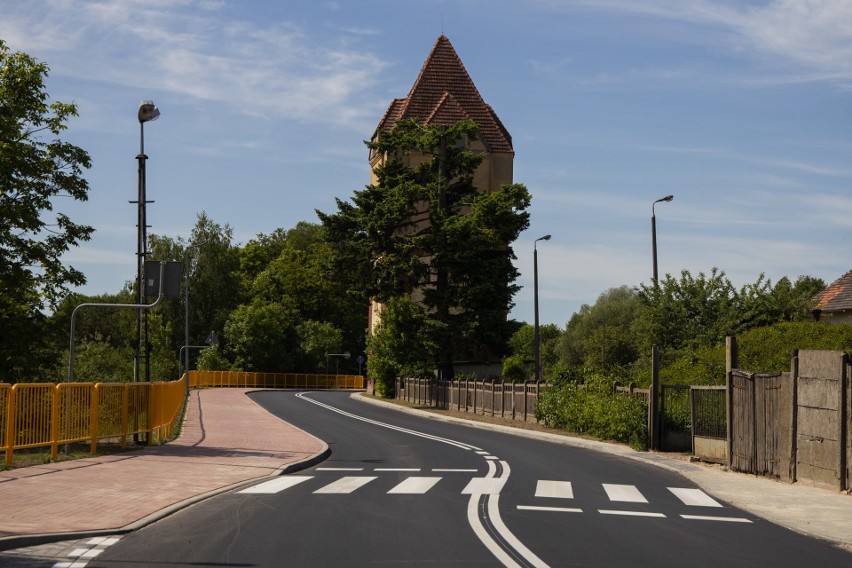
77	552
513	541
450	470
630	513
491	457
397	469
479	530
558	489
415	485
723	519
346	484
624	493
276	485
554	509
694	497
485	485
482	453
386	425
340	469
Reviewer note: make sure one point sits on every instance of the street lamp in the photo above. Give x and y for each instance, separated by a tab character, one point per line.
147	112
537	339
654	231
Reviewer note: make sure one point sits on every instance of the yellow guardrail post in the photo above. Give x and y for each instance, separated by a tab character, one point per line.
54	421
93	417
124	401
10	428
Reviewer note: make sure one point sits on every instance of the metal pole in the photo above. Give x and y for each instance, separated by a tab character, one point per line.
140	248
536	338
654	241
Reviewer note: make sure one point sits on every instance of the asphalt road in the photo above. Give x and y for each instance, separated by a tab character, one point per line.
400	490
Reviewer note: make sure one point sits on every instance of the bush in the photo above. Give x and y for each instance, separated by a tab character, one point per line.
593	409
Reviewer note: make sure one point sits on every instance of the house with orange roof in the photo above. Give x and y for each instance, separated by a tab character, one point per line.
834	303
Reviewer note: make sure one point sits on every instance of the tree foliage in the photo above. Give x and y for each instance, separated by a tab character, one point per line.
427	231
36	167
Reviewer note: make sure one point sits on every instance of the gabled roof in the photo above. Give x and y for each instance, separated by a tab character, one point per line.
443	94
837	297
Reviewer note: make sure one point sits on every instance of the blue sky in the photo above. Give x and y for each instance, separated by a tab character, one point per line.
742	110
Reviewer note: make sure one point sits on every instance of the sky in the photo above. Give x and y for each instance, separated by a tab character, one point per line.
740	109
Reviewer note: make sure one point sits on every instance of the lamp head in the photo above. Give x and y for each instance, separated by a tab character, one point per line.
544	238
666	198
148	111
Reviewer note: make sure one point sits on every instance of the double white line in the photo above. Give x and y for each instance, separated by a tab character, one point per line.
483	507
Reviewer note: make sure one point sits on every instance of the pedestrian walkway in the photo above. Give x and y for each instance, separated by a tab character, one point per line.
226	440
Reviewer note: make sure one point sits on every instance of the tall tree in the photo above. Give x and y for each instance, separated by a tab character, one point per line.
36	166
427	232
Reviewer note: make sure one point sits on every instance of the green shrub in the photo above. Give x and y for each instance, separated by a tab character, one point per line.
592	409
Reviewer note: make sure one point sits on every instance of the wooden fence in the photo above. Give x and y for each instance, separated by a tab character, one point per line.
797	425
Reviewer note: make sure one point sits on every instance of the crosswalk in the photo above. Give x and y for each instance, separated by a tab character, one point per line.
544	498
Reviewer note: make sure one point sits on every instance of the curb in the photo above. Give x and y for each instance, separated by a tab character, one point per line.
23	541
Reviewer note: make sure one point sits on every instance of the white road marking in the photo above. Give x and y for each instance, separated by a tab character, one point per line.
558	489
451	470
346	485
624	493
503	530
415	485
694	497
276	485
630	513
723	519
340	469
397	469
553	509
485	485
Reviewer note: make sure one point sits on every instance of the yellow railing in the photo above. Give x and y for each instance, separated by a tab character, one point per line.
36	415
273	380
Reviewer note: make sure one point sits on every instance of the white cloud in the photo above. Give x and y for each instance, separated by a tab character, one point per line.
815	35
272	69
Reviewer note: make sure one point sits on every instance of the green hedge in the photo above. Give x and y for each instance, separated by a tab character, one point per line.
595	411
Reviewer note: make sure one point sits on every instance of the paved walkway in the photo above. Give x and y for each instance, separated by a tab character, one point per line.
226	440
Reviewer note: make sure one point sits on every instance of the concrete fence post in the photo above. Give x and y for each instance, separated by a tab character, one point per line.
731	363
653	408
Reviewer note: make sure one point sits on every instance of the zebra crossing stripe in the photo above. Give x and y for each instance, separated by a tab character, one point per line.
694	497
484	486
346	484
624	493
723	519
415	485
276	485
630	513
558	489
553	509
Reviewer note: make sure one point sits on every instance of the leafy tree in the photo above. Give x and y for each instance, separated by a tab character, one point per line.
262	337
36	166
214	279
316	339
522	349
211	359
600	335
426	231
402	344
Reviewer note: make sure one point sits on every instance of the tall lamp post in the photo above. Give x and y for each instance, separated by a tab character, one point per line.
147	112
654	231
537	338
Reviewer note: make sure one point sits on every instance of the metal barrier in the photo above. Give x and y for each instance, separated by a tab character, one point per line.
273	380
34	415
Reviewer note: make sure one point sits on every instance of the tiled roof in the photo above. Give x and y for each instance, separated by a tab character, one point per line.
444	94
837	296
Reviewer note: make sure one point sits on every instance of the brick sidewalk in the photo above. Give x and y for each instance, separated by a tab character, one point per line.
226	439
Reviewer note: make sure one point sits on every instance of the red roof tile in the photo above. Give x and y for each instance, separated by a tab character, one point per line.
837	296
443	94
